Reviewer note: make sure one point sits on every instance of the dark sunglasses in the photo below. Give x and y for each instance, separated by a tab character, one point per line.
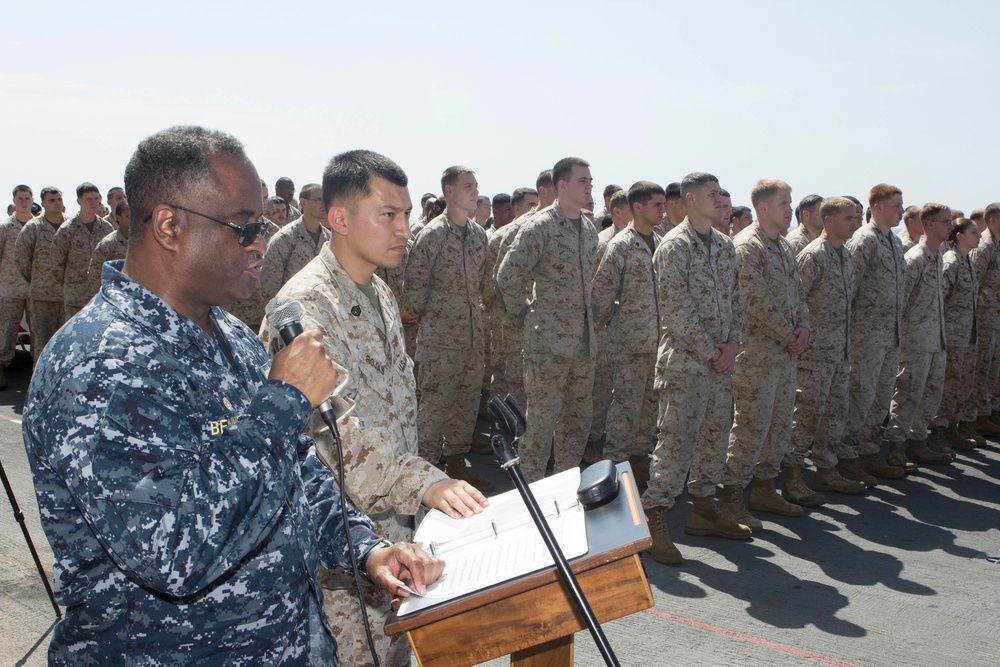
247	233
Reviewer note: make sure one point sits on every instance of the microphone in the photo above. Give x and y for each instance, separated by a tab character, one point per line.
285	314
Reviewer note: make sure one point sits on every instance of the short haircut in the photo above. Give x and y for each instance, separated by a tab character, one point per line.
520	194
695	181
347	178
833	205
49	190
564	168
910	213
738	211
767	188
451	174
672	191
501	199
931	209
962	225
857	202
619	200
611	189
725	193
641	192
86	187
21	188
276	200
481	198
426	196
977	214
309	188
992	212
284	180
121	206
166	165
111	191
544	179
807	202
881	192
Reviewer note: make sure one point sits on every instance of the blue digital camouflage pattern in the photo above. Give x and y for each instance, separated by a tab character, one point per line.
187	522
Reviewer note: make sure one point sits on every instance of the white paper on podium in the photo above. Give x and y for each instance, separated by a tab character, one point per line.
503	542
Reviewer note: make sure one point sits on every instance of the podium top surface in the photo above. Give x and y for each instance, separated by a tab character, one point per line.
615	531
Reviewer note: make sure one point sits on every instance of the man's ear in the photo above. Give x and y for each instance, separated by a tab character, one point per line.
165	227
336	219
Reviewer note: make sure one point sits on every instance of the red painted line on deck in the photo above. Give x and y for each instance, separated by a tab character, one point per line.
752	640
10	419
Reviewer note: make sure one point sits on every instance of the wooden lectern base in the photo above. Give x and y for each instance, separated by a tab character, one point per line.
533	618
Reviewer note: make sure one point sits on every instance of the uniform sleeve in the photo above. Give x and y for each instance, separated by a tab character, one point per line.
95	267
758	295
489	269
861	257
607	284
678	311
514	275
949	278
417	278
911	279
810	271
173	511
24	249
738	305
56	267
273	267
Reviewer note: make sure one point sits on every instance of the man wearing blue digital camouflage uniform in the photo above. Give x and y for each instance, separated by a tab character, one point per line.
186	514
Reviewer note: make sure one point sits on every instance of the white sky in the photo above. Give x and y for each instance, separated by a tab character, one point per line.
832	97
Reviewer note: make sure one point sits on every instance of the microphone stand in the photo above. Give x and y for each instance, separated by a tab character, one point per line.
510	425
19	516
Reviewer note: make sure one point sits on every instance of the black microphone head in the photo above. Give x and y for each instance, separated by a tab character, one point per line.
282	311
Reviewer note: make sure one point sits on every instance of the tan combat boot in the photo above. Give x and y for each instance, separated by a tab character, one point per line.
936	443
849	469
897	458
763	498
456	468
966	430
731	507
918	452
873	465
796	491
828	479
705	519
663	549
954	439
986	427
640	468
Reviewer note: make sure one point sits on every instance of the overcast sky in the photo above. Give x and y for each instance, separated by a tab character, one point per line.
832	97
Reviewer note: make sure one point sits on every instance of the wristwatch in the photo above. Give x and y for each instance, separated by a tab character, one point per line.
363	563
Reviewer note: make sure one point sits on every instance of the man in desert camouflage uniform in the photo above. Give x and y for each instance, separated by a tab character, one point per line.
923	354
823	372
112	247
876	314
295	244
73	246
621	216
13	286
986	260
512	325
284	187
775	333
625	305
554	255
808	224
115	195
443	288
376	400
33	255
676	211
701	328
187	515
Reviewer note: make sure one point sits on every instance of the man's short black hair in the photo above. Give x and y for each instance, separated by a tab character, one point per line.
725	193
501	199
642	191
21	188
49	190
347	178
738	211
695	181
86	187
611	189
564	167
806	202
544	179
520	194
117	187
672	191
166	165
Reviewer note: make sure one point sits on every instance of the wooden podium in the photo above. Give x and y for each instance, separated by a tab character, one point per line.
533	618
